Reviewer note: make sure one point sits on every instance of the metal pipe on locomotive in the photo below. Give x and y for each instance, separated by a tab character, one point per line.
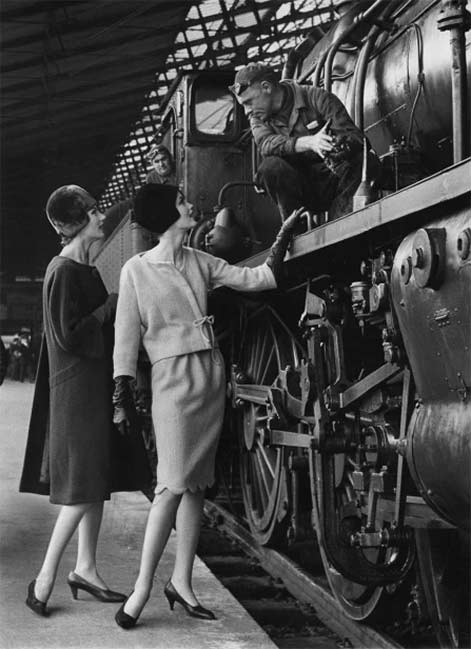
350	391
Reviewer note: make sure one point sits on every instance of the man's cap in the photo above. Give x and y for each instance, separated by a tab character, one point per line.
157	148
250	74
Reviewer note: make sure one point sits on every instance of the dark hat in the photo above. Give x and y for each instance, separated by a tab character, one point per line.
67	209
154	207
250	74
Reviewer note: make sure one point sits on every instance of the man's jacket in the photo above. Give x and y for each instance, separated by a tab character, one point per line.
310	106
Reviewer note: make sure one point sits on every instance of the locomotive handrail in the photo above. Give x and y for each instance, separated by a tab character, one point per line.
445	185
358	20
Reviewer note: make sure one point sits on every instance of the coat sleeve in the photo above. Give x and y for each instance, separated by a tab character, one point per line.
127	327
74	331
241	278
330	107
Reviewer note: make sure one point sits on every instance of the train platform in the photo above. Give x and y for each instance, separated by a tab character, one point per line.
26	523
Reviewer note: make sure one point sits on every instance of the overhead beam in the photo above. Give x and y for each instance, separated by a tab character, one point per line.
118	43
45	6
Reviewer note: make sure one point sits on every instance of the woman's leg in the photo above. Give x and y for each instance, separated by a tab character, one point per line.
66	524
158	528
188	524
88	531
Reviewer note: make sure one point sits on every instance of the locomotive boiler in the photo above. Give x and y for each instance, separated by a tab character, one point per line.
349	417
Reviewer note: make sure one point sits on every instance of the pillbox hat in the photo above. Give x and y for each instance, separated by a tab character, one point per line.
154	207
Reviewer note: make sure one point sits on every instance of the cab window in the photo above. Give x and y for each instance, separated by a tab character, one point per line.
214	110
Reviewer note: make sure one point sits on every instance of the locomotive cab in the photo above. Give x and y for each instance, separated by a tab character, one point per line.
209	136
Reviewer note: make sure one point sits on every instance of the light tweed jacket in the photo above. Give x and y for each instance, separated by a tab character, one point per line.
167	308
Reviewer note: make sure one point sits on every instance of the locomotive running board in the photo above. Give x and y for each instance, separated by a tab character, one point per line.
445	185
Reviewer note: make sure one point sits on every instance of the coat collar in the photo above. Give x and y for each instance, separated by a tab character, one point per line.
160	255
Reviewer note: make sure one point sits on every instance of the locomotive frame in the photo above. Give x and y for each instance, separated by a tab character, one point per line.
350	389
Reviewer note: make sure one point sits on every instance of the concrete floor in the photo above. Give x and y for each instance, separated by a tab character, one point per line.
26	523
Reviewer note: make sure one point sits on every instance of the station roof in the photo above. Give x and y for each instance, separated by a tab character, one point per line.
83	79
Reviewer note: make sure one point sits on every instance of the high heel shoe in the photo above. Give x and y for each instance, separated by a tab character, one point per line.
124	620
34	603
77	583
195	611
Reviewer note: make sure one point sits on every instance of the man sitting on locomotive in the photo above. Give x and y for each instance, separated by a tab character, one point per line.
312	150
163	172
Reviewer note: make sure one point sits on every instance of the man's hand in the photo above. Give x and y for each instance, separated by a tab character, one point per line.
321	142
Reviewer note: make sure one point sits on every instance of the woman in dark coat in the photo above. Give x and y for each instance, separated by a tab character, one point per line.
163	303
69	450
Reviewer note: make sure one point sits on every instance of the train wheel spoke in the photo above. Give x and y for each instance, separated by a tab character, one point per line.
265	457
268	348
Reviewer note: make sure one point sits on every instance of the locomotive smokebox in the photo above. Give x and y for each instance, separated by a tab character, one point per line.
430	287
439	458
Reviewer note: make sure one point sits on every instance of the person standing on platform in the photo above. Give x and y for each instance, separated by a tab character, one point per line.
16	351
26	360
163	172
3	361
163	303
69	453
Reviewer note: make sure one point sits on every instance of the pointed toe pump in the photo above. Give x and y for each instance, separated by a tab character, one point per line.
77	583
198	611
34	603
124	620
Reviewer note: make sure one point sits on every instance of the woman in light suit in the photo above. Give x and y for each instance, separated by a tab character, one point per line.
163	303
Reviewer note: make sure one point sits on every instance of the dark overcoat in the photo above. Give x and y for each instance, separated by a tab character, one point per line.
74	453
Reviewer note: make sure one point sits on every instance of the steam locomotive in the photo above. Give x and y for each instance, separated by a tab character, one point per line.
350	390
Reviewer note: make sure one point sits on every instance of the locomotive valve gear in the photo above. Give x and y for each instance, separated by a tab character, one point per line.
124	409
281	244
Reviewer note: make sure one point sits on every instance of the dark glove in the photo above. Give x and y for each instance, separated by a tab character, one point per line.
282	242
106	312
124	410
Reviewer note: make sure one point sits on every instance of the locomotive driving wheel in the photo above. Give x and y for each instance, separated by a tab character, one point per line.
357	600
268	347
443	558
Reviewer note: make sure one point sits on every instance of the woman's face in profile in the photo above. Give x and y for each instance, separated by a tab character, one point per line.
95	225
185	209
